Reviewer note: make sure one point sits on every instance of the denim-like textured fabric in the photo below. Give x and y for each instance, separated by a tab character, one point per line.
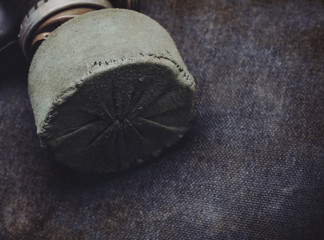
252	167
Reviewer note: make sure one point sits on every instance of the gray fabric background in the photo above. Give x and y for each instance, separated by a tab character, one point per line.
252	167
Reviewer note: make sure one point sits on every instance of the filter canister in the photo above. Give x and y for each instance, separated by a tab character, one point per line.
109	89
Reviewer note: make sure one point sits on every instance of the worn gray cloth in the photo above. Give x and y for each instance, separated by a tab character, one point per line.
252	167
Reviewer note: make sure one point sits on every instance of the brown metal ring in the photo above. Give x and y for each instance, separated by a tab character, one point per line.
45	9
53	22
47	15
38	40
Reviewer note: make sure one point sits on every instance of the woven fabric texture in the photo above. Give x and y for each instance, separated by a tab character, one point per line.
252	167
